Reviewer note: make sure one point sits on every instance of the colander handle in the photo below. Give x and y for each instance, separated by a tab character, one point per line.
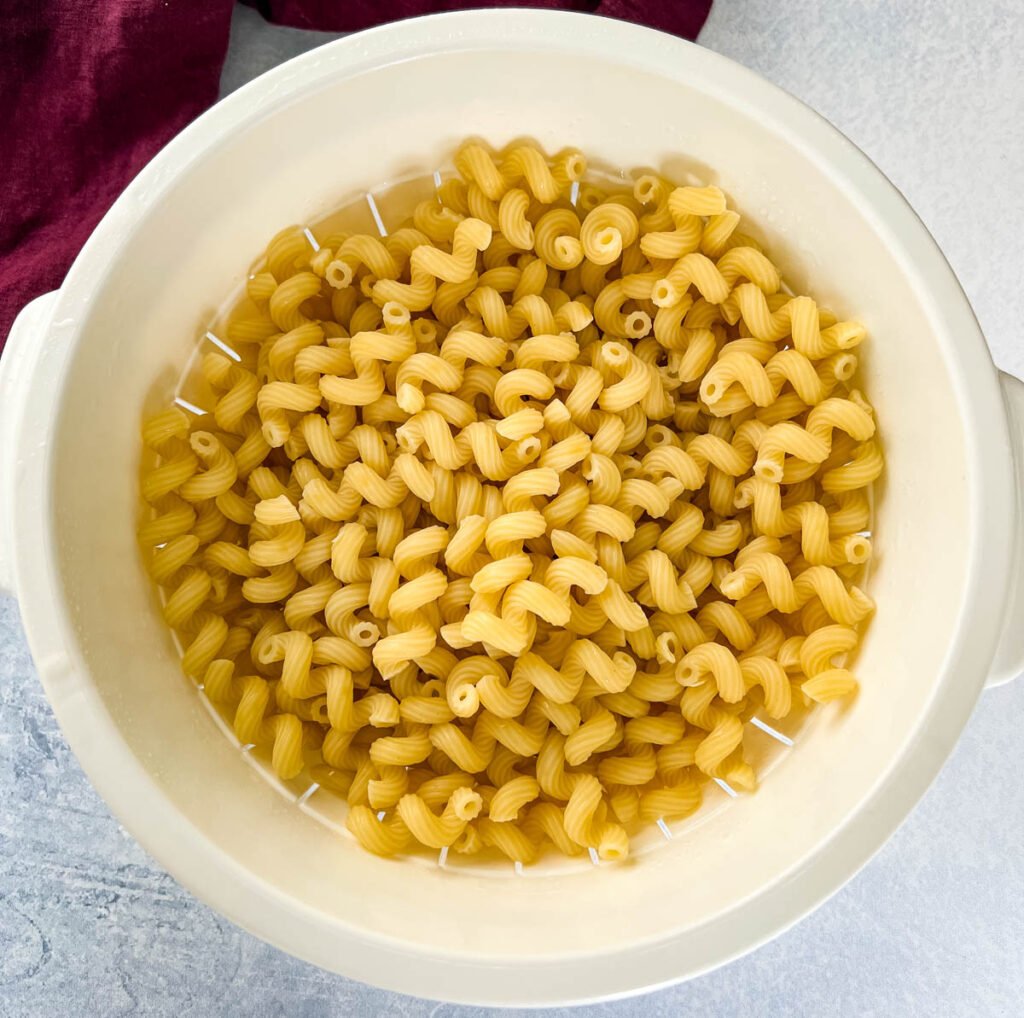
17	364
1009	659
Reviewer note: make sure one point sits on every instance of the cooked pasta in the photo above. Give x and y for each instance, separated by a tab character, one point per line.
505	525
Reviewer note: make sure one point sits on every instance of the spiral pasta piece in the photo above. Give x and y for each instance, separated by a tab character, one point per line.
606	231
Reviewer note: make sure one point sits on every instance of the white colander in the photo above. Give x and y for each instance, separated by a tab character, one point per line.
82	364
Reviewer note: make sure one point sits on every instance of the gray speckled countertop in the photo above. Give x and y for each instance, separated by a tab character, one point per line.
933	91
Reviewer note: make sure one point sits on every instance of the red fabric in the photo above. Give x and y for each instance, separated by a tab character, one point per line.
680	17
93	88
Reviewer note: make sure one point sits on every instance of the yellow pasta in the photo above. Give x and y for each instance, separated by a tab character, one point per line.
512	797
503	526
830	684
607	231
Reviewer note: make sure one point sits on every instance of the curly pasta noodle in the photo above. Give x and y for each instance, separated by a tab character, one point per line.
504	526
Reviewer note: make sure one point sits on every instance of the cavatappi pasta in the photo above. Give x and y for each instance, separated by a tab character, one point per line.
504	525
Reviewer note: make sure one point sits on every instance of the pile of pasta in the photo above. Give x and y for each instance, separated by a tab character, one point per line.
505	524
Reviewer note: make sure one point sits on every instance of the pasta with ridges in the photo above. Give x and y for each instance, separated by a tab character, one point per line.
505	525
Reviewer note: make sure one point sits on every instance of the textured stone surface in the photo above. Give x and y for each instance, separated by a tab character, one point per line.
933	926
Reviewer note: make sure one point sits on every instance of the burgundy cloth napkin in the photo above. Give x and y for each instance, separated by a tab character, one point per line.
93	88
